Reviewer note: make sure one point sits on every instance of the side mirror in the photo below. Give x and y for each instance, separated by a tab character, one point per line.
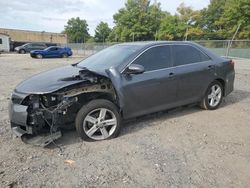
135	69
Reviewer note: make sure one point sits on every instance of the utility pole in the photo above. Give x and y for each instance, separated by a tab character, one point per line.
230	42
186	35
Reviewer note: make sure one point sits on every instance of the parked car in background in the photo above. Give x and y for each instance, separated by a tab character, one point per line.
52	51
29	47
120	82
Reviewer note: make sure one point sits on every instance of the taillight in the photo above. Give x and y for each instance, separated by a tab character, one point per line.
231	62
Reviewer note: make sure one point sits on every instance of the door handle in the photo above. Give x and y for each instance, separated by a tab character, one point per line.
171	75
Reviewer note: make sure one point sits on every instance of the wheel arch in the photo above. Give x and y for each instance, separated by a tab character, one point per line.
24	50
85	98
222	82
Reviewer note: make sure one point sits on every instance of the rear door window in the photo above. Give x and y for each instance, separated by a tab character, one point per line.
186	54
53	48
41	45
155	58
37	45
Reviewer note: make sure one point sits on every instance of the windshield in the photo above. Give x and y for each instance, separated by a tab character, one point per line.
109	57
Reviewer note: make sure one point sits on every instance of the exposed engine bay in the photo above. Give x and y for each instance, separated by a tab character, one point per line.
48	113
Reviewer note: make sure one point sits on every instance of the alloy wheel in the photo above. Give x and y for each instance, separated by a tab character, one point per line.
100	124
214	95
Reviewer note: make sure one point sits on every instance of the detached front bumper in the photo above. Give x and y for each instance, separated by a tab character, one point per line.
30	127
18	119
18	114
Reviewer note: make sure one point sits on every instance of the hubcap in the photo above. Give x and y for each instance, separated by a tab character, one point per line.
215	95
100	124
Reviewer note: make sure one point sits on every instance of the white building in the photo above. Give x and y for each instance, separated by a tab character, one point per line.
4	43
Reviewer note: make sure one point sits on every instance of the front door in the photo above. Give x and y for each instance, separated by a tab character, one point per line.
52	52
153	90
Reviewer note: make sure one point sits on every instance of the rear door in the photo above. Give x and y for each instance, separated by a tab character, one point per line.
153	90
195	71
40	46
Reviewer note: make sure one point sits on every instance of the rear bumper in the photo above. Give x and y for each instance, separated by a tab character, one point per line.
229	84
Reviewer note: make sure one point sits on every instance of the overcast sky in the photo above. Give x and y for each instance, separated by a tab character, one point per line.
52	15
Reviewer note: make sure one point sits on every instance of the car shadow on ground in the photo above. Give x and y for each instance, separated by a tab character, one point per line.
134	125
235	97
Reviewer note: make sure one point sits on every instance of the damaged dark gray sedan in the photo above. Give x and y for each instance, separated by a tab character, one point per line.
121	82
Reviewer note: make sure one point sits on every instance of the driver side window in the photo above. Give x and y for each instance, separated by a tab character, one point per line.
155	58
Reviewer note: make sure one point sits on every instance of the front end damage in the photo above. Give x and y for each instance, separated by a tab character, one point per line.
39	118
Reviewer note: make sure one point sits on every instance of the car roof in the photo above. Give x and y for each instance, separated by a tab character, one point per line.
147	44
152	43
34	43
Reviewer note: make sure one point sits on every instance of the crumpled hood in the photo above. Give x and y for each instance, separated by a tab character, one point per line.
51	81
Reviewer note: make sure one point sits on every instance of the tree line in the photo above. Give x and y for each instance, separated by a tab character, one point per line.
141	20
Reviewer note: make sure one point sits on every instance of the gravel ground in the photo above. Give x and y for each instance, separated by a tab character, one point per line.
187	147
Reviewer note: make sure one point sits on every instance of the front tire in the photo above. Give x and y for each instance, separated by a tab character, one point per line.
39	56
213	96
98	120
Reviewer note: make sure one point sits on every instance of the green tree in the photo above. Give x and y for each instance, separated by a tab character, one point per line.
77	30
102	32
190	18
187	14
236	12
208	21
172	28
91	40
138	21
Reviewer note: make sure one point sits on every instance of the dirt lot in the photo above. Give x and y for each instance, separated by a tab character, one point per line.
187	147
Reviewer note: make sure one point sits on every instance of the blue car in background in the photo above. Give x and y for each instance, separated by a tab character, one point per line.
53	51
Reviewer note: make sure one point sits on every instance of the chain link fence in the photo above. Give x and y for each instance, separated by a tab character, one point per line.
86	49
236	48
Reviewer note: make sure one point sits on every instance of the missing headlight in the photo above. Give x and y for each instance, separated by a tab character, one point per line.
31	99
50	100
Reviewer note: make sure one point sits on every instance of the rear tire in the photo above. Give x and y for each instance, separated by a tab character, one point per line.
22	51
213	96
65	56
98	120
